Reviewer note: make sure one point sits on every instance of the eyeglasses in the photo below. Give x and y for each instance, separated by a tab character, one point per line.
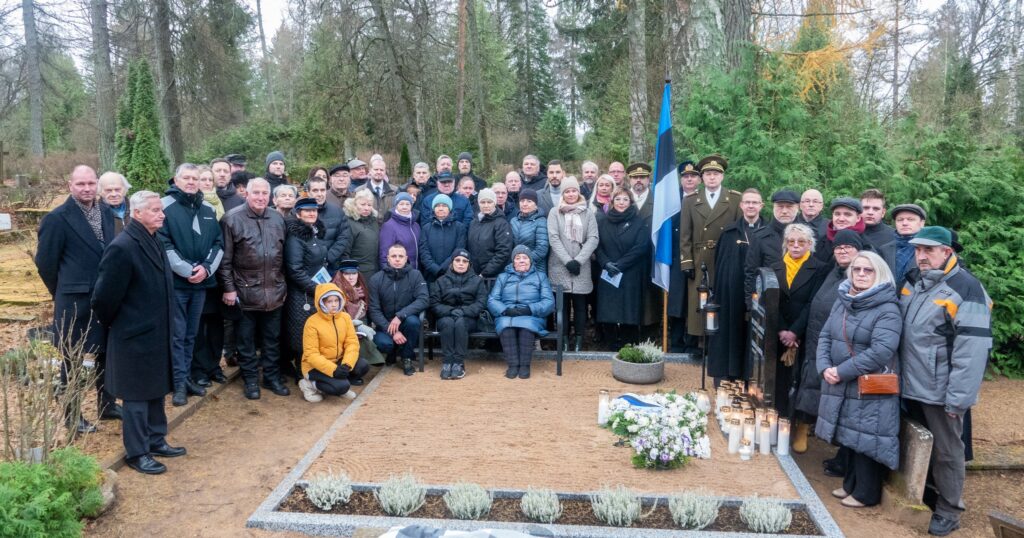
797	241
862	270
844	248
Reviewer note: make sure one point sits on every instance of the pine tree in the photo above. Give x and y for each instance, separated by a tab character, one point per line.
404	164
529	36
139	155
554	139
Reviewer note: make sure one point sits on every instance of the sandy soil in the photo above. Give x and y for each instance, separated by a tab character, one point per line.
515	433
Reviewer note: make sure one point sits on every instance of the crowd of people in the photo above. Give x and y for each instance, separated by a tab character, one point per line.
324	278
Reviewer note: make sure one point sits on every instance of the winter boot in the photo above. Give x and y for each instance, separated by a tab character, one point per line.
800	437
180	396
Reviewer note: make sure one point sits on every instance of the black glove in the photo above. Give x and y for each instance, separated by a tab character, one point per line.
519	310
574	267
341	372
457	313
612	269
688	273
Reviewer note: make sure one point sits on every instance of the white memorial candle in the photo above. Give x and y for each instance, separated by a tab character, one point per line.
603	408
765	439
773	419
735	434
748	430
783	446
746	450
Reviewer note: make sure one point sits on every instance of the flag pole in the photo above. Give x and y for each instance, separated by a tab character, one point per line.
664	322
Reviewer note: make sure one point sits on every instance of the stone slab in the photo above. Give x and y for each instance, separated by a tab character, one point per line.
915	455
1005	526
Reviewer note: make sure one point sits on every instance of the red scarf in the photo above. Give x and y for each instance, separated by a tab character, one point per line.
830	232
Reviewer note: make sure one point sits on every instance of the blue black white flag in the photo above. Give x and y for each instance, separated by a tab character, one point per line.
666	194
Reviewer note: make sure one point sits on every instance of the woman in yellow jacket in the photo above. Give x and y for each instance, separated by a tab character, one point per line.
330	348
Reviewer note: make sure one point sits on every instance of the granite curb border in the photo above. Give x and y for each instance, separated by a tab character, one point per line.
116	461
267	517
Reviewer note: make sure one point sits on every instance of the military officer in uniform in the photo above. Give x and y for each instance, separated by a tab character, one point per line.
704	216
638	175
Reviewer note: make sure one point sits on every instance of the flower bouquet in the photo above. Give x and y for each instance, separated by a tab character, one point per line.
664	429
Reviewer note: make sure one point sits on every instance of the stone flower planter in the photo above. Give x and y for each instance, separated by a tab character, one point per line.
638	373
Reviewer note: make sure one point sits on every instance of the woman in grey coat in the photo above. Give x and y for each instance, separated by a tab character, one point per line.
572	235
861	336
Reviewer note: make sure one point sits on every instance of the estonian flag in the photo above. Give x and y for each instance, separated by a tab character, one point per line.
666	194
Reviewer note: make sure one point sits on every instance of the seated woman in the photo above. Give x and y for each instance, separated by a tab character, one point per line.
330	349
457	298
357	304
520	301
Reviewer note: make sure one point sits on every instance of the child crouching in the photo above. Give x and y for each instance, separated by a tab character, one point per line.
330	349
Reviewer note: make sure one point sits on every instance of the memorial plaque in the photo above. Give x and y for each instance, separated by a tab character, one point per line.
764	340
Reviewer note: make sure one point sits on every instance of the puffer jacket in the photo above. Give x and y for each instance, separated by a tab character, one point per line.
397	293
191	236
403	230
328	340
532	231
809	392
365	245
869	324
513	288
564	249
337	234
462	210
253	262
467	292
489	241
947	336
438	240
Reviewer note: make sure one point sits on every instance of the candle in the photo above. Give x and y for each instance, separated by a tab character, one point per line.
783	447
746	451
735	433
721	398
724	416
603	410
773	418
765	439
748	429
703	401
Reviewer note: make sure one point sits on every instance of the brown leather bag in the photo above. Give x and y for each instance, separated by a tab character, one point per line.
883	383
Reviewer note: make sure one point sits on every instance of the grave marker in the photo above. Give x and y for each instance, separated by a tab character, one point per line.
764	344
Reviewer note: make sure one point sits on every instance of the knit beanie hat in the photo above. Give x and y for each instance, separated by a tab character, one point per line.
570	182
521	249
403	197
528	194
274	156
486	194
848	237
465	156
461	253
441	198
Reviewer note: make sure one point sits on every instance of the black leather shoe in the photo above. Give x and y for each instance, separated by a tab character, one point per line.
407	367
83	426
252	391
940	526
203	382
194	389
167	451
276	386
180	396
145	464
512	372
357	381
219	377
112	412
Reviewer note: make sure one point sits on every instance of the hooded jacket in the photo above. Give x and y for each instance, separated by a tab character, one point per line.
490	243
328	340
532	231
191	236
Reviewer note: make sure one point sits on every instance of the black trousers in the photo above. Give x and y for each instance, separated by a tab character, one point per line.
104	399
144	426
269	326
863	478
575	303
517	345
337	387
209	345
455	337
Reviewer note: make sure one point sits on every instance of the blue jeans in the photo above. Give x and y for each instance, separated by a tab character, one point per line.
410	328
186	325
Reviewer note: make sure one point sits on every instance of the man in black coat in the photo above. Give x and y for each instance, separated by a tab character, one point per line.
71	241
681	342
398	294
229	197
134	300
876	232
766	243
337	233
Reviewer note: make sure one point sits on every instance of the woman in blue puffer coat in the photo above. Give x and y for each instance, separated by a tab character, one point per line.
861	336
520	301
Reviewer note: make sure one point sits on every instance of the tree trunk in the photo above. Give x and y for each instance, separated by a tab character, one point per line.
737	19
479	96
105	111
703	35
635	25
265	61
405	106
35	78
460	60
169	106
896	62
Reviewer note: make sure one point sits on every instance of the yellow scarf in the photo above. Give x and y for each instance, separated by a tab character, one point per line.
793	266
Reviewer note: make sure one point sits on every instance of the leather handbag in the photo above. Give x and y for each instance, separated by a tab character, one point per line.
883	383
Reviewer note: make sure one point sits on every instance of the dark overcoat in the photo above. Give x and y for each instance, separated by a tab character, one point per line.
134	300
727	349
68	258
808	392
305	253
625	240
677	282
794	307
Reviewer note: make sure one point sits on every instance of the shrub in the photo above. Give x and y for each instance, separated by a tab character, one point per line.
765	515
643	353
49	499
327	490
619	506
541	505
694	510
401	495
468	501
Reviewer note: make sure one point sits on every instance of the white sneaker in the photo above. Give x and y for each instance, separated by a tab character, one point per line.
309	392
351	394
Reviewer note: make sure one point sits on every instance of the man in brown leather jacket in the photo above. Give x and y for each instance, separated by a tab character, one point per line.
252	275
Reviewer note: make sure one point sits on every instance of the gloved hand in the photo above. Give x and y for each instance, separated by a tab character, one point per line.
573	267
612	269
688	273
457	313
518	310
341	372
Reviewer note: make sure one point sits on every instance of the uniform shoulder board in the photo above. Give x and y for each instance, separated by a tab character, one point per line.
737	193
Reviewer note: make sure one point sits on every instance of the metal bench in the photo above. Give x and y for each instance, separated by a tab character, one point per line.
428	333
